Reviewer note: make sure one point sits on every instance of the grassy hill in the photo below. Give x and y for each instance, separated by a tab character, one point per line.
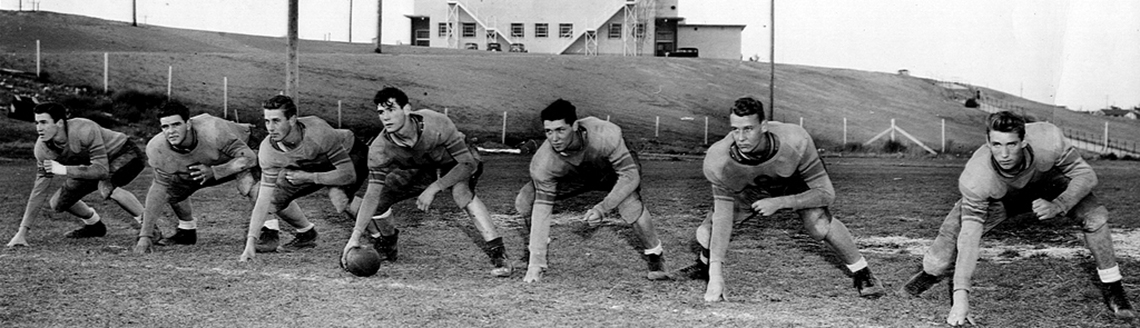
477	87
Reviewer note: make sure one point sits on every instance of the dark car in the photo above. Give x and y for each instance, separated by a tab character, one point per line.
518	47
685	52
494	46
471	46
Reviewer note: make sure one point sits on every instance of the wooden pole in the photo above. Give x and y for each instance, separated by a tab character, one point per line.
801	121
844	131
291	61
503	139
338	125
943	135
706	130
607	118
1106	137
226	98
379	23
445	111
105	73
772	61
169	79
892	129
37	58
134	13
349	21
657	128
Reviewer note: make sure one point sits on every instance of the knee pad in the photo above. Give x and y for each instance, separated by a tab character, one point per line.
703	234
246	185
1095	219
523	203
817	222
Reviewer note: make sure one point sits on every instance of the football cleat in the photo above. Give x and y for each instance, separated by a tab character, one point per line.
867	285
180	237
1117	301
502	271
386	246
89	231
656	263
307	239
268	241
919	283
697	271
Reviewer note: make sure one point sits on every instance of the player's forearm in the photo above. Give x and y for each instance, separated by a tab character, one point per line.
1082	179
260	210
627	182
343	174
462	171
721	230
539	233
156	196
95	171
811	199
367	209
232	167
35	200
969	239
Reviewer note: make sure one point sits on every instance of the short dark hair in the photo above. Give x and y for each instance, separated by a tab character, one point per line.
281	102
173	107
560	110
1007	122
55	110
745	106
389	93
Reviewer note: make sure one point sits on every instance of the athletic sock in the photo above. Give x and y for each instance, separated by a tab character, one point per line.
306	228
656	250
1109	275
93	219
188	225
272	224
858	265
704	258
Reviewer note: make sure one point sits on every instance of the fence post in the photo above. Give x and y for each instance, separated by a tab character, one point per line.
706	130
801	121
37	58
844	131
445	111
503	139
943	135
892	129
607	118
226	98
169	77
105	64
657	128
338	125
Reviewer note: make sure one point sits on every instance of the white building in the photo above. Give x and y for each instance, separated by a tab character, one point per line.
588	27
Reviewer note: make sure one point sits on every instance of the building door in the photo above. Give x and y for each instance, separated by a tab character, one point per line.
665	36
421	31
664	49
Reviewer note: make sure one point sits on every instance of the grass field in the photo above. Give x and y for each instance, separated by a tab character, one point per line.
777	276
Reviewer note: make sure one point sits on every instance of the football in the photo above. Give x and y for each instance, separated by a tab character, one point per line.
362	261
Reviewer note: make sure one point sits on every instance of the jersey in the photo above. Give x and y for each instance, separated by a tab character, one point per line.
796	161
320	150
603	149
87	151
440	145
1048	153
218	143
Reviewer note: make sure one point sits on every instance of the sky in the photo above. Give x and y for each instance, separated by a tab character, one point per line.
1084	55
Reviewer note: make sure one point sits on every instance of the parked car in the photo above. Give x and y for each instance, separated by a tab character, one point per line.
685	52
494	46
471	46
518	47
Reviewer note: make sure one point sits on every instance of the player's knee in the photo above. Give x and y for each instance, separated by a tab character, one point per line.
523	204
1094	220
703	234
935	266
57	205
462	195
817	222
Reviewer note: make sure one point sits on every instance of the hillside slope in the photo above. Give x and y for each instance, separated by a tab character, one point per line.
477	87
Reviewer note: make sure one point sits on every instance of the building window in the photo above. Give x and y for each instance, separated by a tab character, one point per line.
640	33
615	30
565	30
540	30
444	28
517	30
469	30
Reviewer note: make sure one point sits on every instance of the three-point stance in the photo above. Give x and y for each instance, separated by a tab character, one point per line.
419	154
1024	169
581	155
763	167
90	157
193	153
300	156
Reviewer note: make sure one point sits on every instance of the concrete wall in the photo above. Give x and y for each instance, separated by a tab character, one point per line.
713	41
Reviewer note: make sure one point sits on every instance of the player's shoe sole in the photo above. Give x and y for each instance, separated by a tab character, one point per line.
89	231
307	239
180	237
918	283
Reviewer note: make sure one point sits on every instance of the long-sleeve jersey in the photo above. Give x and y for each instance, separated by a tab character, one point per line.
87	150
322	150
1048	152
218	143
603	149
795	158
440	144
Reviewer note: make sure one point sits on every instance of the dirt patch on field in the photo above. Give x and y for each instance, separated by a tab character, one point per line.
1125	241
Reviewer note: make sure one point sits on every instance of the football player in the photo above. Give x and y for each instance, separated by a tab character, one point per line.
418	154
579	155
90	157
1024	169
759	168
193	153
300	156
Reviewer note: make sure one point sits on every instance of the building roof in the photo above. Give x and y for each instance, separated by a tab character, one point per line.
741	26
1116	112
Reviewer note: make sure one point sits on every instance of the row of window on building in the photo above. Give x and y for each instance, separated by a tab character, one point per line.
541	30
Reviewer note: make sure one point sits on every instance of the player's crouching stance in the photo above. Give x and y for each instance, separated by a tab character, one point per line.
189	154
763	167
405	160
90	157
589	153
1024	169
300	156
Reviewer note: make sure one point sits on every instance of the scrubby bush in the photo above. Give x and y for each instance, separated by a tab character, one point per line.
134	105
894	146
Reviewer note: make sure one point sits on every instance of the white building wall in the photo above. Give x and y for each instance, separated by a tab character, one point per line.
713	41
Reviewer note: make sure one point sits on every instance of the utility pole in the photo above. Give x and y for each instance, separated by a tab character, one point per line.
292	65
379	22
349	21
134	13
772	62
